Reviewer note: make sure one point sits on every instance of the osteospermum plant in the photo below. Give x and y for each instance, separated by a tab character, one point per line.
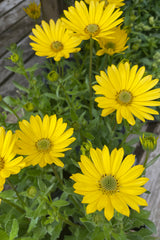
127	91
54	40
108	183
68	168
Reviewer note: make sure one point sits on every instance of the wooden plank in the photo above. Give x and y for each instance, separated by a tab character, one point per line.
7	5
16	33
153	173
8	89
14	15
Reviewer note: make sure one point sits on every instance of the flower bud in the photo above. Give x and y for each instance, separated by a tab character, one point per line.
29	107
149	143
151	20
14	57
31	192
85	148
53	76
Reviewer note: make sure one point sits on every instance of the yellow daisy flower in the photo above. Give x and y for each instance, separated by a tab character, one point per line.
109	183
53	40
43	141
126	91
33	10
93	23
118	3
114	45
8	163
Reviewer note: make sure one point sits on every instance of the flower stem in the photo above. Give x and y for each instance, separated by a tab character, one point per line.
13	205
67	98
90	77
146	159
57	175
10	109
14	189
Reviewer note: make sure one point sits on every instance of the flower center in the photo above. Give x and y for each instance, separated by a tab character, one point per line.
57	46
92	29
43	144
124	97
110	45
1	163
108	184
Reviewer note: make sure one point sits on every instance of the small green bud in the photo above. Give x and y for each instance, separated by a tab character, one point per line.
149	143
85	148
133	18
53	76
29	107
14	57
135	46
31	192
151	20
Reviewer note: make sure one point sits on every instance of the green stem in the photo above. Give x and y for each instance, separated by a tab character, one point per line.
57	175
14	189
67	221
13	205
9	108
68	100
90	77
146	159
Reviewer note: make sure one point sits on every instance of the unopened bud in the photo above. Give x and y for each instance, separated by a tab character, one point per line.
14	57
53	76
29	107
31	192
149	143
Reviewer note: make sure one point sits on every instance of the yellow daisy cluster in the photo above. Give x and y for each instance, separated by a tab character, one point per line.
59	39
94	22
33	10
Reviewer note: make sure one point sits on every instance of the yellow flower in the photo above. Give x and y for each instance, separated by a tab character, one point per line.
33	10
118	3
114	45
126	91
8	163
43	141
109	183
53	40
93	23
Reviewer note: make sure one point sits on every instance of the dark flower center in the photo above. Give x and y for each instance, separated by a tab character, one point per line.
124	97
108	184
92	29
56	46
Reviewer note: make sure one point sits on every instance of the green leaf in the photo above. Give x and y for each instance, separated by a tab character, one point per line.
20	87
3	235
32	224
88	135
14	229
15	69
7	194
33	68
56	231
60	203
